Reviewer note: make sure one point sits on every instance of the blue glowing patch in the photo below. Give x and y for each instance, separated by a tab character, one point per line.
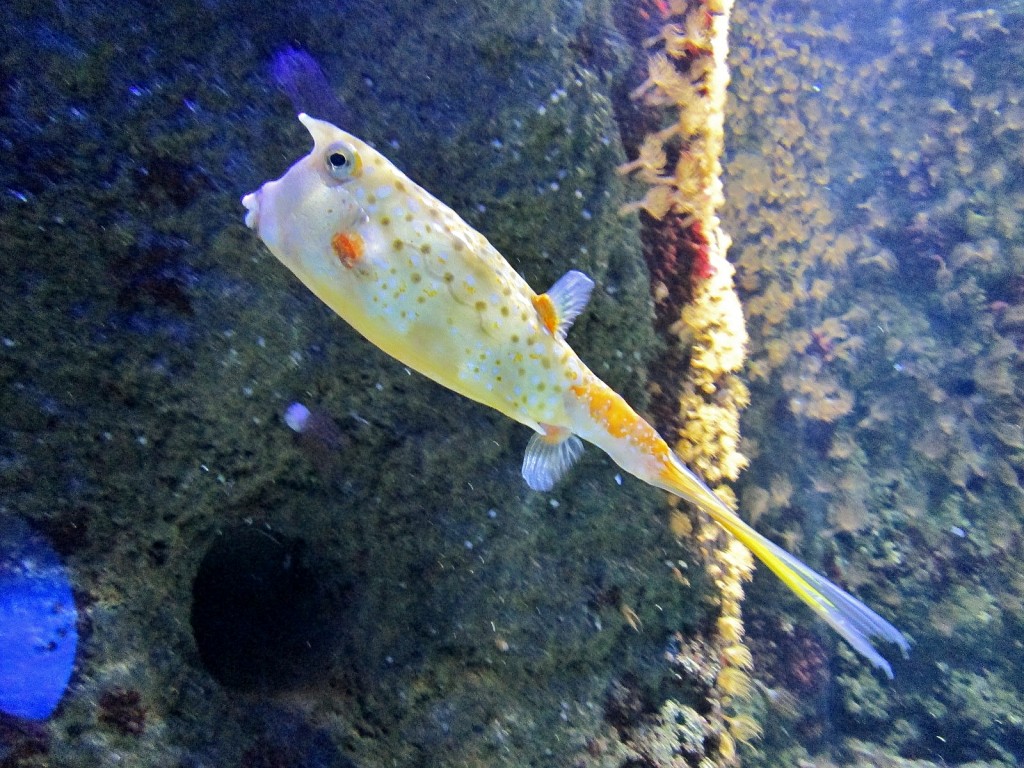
38	637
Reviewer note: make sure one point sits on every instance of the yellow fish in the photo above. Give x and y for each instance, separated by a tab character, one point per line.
416	280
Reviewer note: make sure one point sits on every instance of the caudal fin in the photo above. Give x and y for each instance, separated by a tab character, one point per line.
848	616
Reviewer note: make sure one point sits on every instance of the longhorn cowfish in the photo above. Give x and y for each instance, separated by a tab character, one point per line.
417	281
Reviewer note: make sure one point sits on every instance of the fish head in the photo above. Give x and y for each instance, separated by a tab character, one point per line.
297	215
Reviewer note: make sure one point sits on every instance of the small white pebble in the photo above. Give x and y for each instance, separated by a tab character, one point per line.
296	416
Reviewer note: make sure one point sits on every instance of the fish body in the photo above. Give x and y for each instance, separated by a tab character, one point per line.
417	281
412	277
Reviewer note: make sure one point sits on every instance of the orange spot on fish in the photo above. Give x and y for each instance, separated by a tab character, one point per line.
607	407
546	312
553	435
348	246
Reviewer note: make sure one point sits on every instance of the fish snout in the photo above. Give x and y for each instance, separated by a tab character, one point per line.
252	208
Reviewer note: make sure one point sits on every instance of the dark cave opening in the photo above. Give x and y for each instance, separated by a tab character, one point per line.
261	616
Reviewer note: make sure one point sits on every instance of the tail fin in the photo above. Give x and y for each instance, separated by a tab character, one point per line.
843	612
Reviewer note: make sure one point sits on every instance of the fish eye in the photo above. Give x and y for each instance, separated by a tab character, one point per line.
342	162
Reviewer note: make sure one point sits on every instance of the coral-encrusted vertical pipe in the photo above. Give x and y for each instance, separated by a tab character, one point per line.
687	80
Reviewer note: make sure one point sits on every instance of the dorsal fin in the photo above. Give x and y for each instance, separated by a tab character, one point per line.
563	302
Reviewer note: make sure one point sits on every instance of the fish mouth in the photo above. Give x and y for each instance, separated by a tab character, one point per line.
252	208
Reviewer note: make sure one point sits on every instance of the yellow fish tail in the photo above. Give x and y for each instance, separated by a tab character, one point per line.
844	613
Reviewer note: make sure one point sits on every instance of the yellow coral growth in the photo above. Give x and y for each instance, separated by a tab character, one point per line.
734	682
709	437
680	524
744	728
687	71
726	746
651	162
739	559
714	322
730	628
738	655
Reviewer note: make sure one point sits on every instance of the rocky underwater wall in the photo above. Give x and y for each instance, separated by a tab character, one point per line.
873	190
383	590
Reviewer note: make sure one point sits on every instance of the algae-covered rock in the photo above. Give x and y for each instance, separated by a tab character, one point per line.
877	224
432	609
